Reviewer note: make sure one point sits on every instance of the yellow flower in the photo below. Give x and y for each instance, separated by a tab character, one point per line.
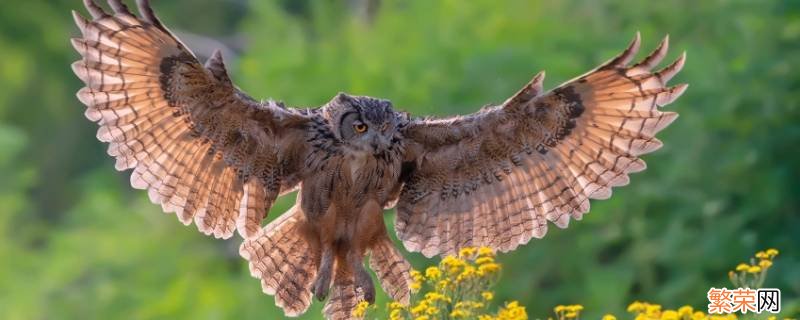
396	305
685	311
772	252
512	311
484	260
762	255
487	295
489	268
670	315
765	264
559	308
434	296
395	314
361	309
575	307
433	273
698	315
754	269
571	315
485	252
468	272
467	252
652	309
635	306
452	264
419	308
449	260
442	284
485	317
417	276
422	318
742	267
459	313
609	317
431	311
416	280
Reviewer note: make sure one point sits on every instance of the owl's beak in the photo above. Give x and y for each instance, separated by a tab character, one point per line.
379	144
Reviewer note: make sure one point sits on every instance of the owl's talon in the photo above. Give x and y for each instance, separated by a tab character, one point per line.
369	294
321	286
364	282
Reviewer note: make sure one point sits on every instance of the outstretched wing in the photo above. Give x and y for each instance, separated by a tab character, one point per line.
202	148
494	178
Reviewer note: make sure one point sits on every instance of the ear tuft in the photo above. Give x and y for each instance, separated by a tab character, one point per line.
342	97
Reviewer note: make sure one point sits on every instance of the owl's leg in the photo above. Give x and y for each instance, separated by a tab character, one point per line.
323	282
356	260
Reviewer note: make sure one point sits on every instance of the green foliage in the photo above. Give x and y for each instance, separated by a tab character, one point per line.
77	242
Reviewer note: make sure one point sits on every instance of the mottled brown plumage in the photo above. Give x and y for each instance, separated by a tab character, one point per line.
216	157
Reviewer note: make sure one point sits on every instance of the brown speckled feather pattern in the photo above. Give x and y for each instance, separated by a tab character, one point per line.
495	178
201	148
218	158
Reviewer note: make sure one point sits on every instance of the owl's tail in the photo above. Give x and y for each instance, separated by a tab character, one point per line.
283	260
344	297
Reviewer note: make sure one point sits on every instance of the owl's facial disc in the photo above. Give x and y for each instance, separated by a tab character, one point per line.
366	135
366	125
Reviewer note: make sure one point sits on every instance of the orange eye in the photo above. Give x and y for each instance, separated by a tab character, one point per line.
360	128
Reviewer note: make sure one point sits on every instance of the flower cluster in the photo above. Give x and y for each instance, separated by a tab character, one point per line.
459	287
752	275
650	311
568	312
361	309
511	311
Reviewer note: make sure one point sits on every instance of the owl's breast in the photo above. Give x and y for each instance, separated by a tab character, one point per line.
368	177
349	181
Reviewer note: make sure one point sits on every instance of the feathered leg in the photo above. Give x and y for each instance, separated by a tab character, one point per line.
324	273
362	279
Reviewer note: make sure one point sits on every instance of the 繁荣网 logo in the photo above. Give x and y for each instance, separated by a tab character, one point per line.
744	300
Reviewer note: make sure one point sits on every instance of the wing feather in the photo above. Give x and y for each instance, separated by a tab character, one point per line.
494	178
200	147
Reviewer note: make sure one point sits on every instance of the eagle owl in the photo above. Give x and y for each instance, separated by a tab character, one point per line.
219	158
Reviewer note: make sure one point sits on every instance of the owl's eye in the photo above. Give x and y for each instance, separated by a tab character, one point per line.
360	127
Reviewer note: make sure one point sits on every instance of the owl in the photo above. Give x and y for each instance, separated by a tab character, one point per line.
218	158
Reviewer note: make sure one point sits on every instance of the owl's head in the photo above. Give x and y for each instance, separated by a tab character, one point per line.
363	124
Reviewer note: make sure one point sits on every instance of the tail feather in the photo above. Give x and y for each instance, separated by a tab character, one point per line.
393	271
344	298
287	266
284	262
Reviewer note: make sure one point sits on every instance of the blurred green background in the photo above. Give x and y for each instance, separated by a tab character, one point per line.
76	242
